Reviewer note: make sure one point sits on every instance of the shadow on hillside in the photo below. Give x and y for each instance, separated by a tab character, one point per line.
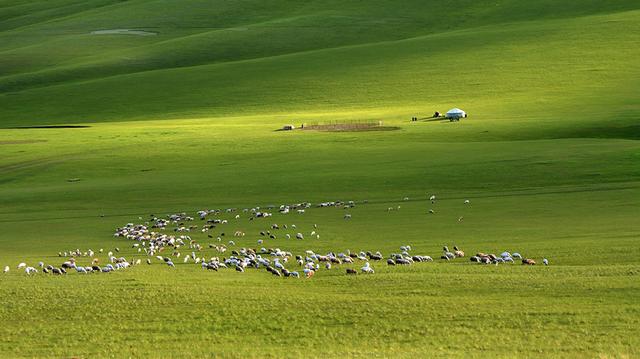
47	126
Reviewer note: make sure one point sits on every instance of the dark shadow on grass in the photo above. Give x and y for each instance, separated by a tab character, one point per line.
47	126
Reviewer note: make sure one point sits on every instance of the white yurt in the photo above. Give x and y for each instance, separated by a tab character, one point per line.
455	113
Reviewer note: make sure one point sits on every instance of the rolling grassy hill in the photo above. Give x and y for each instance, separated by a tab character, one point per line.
185	118
250	59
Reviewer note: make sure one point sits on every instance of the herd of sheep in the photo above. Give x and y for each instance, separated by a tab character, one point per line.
168	240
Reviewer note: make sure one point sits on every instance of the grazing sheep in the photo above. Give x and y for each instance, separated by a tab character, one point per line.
367	268
391	262
516	255
308	273
528	261
545	261
30	270
22	265
6	269
376	257
351	271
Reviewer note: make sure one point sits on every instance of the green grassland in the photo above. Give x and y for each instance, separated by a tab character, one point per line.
187	119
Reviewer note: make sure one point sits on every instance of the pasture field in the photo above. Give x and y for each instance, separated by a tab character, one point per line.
187	119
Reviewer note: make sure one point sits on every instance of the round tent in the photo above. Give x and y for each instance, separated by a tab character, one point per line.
455	113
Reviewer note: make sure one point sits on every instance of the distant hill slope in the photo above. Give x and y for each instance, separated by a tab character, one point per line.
209	59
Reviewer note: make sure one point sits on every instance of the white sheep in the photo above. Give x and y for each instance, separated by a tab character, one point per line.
367	268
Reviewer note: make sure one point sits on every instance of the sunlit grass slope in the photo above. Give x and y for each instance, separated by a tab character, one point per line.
237	58
186	119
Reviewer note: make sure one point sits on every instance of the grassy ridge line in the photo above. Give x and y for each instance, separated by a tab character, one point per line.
244	91
222	48
33	14
189	50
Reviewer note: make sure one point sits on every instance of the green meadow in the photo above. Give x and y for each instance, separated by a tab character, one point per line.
101	129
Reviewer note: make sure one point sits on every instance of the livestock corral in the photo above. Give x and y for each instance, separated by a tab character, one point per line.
348	126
